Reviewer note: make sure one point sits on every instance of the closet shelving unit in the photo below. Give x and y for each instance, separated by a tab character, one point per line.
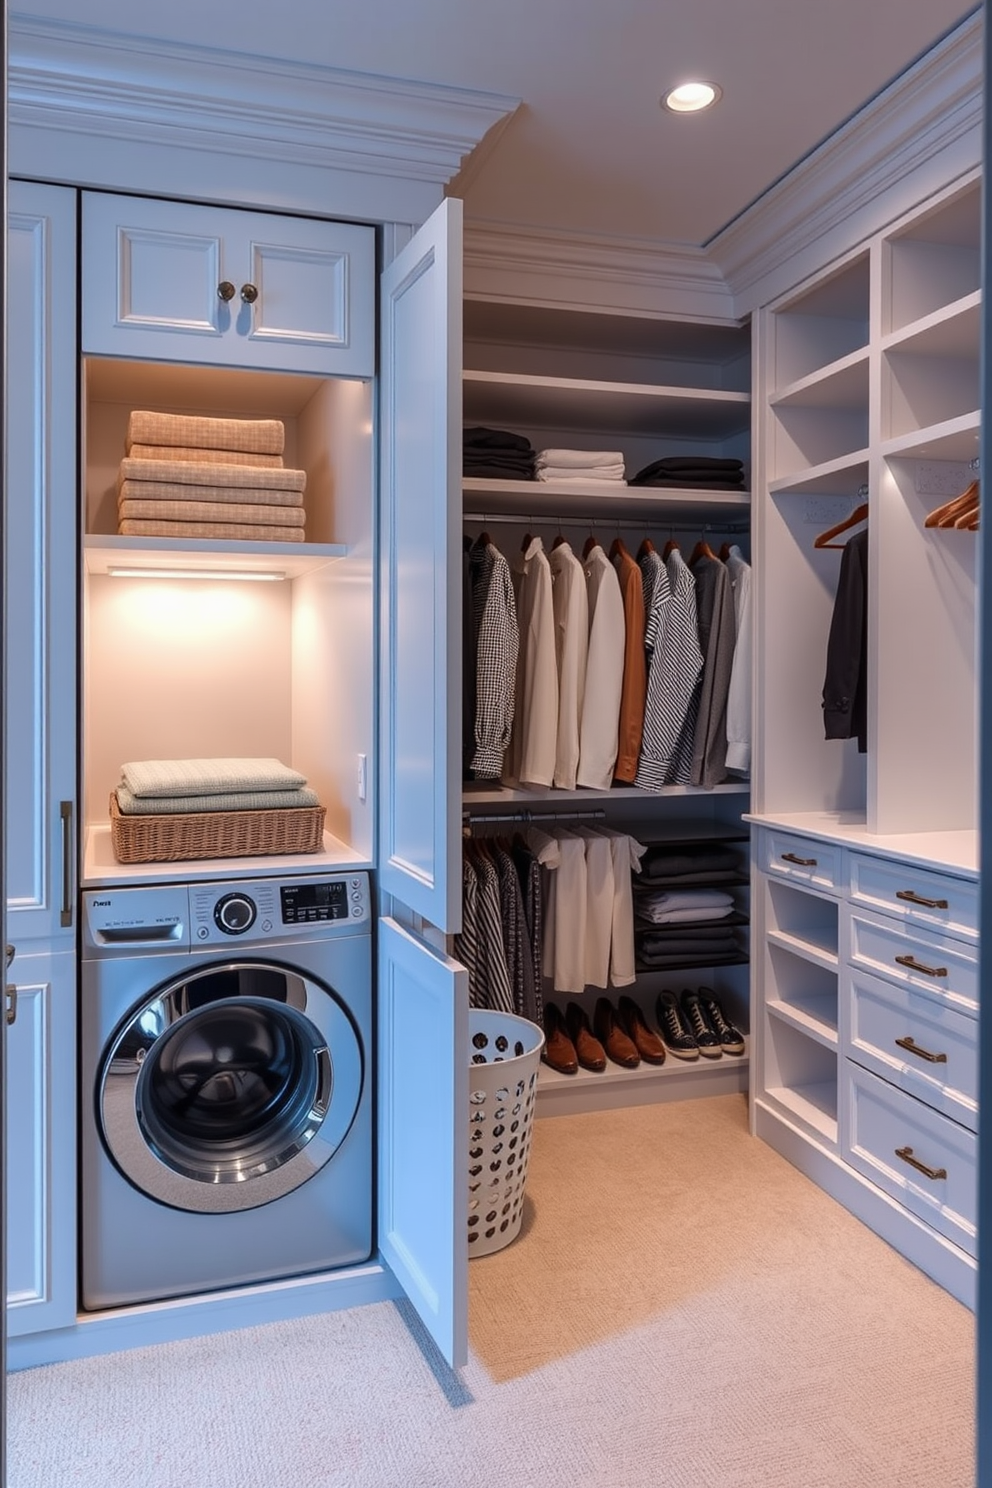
586	379
870	393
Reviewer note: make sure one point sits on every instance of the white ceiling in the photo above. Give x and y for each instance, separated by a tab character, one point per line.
590	152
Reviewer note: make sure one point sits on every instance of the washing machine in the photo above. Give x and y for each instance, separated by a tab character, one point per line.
226	1116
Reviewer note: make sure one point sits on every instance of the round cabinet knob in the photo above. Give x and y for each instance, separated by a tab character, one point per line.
234	914
226	289
249	293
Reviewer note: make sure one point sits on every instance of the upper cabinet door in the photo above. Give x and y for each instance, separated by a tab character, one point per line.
40	580
167	281
423	1132
420	645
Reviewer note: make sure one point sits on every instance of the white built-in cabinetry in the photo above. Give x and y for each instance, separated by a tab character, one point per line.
864	864
647	387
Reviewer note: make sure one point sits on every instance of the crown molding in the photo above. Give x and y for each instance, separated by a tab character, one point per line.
839	192
582	272
77	82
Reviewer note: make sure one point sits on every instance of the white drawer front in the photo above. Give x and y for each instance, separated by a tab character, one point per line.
916	1041
919	895
916	1155
818	865
915	958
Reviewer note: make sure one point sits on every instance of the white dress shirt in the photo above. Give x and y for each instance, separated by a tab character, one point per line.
598	737
534	742
739	696
570	607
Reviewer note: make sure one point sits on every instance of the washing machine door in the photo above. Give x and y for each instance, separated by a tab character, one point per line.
229	1088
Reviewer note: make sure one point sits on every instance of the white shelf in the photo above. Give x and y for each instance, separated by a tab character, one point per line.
815	1105
103	552
953	439
952	331
843	476
100	867
955	850
546	800
518	399
603	500
812	945
676	1079
841	384
814	1016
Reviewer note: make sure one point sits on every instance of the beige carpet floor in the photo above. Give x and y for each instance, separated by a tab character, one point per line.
682	1309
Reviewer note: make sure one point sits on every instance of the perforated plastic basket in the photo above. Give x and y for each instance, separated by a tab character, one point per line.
505	1052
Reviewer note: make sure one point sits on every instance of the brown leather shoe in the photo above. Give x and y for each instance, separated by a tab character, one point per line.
645	1040
558	1051
590	1052
620	1048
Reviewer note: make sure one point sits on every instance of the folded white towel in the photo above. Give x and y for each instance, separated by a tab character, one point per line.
684	916
208	777
602	475
665	901
584	459
264	800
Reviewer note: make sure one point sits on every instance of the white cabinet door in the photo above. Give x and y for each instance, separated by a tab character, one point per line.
40	1129
40	569
423	1132
421	577
169	281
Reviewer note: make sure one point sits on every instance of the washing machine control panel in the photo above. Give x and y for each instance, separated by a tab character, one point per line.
271	909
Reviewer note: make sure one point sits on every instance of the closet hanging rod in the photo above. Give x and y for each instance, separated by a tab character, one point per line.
627	524
475	818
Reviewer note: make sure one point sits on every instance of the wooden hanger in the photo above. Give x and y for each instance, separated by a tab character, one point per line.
590	543
702	550
724	552
670	547
647	546
966	520
528	539
561	538
859	514
946	514
617	547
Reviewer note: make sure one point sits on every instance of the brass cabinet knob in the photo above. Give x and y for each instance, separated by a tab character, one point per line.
226	289
249	293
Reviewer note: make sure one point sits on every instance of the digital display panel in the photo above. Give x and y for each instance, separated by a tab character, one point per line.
309	902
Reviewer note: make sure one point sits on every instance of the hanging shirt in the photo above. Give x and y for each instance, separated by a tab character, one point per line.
739	696
717	636
845	706
598	730
534	741
635	676
496	643
570	608
670	710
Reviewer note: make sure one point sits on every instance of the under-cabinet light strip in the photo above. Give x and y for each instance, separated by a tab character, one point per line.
192	573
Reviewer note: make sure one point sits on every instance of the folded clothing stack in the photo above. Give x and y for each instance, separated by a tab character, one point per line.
186	476
584	465
692	472
185	786
663	866
496	454
674	946
682	906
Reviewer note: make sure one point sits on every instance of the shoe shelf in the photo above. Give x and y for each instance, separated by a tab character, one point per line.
814	1016
676	1079
815	1105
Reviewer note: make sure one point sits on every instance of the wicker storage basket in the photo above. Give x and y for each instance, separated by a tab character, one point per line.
215	834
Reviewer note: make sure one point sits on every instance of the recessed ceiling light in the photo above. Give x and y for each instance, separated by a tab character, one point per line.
689	98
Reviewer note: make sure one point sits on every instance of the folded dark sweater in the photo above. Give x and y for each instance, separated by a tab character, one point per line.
672	861
679	960
695	462
684	481
479	438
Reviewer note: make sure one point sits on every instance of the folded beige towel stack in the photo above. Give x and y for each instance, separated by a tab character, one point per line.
173	787
188	476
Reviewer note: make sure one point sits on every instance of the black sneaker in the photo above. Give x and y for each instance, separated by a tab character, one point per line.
671	1025
707	1041
731	1038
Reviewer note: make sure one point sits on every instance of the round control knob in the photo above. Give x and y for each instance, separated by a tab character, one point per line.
234	914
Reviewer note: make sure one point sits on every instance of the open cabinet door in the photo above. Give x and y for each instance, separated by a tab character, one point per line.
423	1132
420	535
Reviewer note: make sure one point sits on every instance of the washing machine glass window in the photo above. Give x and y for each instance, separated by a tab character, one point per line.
228	1088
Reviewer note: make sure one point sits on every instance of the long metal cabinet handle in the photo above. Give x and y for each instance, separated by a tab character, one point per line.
915	898
914	965
68	850
10	992
906	1153
912	1047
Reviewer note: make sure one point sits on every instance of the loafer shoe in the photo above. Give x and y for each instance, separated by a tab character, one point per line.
731	1038
558	1051
707	1041
588	1049
619	1046
647	1043
675	1032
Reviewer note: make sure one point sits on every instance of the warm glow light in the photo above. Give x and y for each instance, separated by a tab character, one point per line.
192	573
689	98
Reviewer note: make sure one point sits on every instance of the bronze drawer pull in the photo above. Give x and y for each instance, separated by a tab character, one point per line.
914	898
803	862
11	992
912	1047
906	1153
914	965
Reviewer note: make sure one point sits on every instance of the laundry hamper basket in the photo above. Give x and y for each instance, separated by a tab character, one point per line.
505	1052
